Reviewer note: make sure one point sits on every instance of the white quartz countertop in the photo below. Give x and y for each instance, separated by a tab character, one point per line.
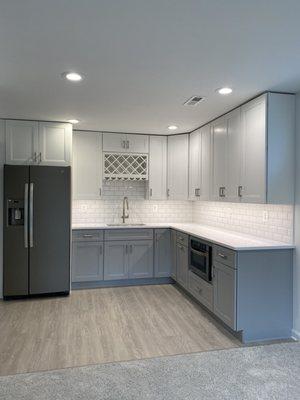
229	239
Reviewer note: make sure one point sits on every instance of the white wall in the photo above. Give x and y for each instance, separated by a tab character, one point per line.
296	275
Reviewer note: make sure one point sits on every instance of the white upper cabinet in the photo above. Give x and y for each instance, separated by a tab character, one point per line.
254	152
21	142
195	165
158	167
205	162
178	160
125	143
234	155
38	143
219	167
87	165
55	144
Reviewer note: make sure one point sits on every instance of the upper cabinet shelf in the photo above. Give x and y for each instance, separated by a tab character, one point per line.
38	143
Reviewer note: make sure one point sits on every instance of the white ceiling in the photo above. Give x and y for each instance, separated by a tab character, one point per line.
143	59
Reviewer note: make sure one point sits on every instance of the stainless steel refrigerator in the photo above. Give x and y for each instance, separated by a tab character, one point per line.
37	216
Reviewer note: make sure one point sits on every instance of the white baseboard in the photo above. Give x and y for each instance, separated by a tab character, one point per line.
295	334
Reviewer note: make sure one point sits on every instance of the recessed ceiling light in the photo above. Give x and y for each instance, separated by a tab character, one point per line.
73	121
172	127
224	90
72	76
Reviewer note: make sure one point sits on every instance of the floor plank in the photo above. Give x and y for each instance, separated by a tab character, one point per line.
104	325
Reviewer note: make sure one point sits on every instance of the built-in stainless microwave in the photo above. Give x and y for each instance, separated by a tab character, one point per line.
201	259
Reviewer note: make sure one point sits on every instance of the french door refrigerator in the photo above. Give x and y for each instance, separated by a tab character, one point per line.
37	215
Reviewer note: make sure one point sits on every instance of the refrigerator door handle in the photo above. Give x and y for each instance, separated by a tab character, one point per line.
26	216
31	215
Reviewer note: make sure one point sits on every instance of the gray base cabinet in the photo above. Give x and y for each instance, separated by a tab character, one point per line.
182	264
140	259
128	259
224	284
116	260
162	265
87	262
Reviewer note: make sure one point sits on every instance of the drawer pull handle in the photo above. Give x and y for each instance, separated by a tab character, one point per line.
222	256
87	235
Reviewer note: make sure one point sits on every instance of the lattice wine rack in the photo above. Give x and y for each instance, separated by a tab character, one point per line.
125	167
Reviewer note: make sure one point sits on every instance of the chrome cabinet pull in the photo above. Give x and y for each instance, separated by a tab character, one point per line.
101	249
168	192
222	256
34	158
26	215
40	157
127	144
150	192
100	192
31	187
130	247
222	191
87	235
240	188
197	192
126	248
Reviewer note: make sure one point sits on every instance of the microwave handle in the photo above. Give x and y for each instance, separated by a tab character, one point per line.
201	253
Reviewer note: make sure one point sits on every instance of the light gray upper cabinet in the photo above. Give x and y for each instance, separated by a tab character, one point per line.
157	168
182	264
162	249
200	164
224	287
87	165
178	160
125	143
21	142
219	167
55	144
268	160
195	165
87	261
140	259
116	260
38	143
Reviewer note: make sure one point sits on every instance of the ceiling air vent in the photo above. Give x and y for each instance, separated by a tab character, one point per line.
193	101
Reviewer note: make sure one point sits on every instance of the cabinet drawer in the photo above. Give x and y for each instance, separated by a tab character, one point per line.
201	290
88	235
182	238
128	234
224	256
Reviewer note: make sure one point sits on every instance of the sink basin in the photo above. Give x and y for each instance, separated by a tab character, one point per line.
124	225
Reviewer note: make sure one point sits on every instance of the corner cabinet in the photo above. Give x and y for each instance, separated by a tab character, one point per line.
38	143
87	165
178	160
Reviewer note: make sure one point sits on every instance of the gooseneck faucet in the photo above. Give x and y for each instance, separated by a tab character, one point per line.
125	208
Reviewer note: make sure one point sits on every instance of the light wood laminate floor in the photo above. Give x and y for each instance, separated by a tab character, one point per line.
104	325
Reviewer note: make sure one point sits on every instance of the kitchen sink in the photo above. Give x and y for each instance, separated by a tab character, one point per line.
121	225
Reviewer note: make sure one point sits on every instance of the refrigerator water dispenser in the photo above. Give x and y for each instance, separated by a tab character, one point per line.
15	212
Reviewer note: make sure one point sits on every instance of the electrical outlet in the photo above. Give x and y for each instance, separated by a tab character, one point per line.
155	208
265	216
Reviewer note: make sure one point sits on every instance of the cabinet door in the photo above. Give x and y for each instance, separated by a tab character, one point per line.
205	162
55	144
87	261
178	161
234	152
137	143
140	259
182	264
158	168
87	165
195	165
254	151
224	283
116	260
21	142
114	142
219	169
162	264
173	255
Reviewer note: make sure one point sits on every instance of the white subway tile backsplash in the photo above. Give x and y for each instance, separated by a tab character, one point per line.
267	221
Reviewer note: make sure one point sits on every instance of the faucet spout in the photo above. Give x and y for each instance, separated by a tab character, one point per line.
125	214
